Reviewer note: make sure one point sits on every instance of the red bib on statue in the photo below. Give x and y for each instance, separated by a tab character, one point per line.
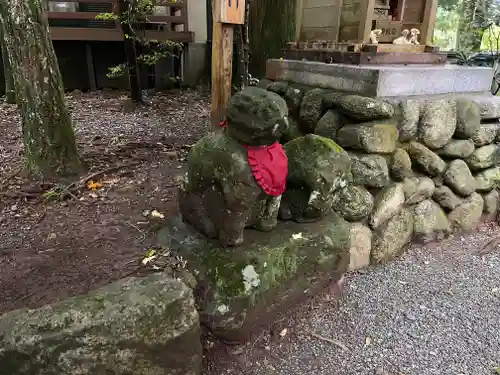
269	166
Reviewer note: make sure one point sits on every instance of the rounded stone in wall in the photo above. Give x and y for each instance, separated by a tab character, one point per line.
485	134
407	115
329	124
468	118
401	165
430	222
293	97
389	239
311	110
361	246
428	161
484	157
388	203
457	149
467	215
487	179
278	87
446	198
372	137
418	189
459	178
353	203
491	201
369	170
362	108
437	123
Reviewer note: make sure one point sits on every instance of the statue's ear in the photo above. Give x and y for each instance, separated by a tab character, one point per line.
282	126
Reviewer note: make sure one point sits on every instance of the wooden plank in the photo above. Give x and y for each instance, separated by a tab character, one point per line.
169	3
395	48
168	19
299	11
365	58
82	33
382	58
222	65
86	1
428	22
366	17
174	36
400	10
72	15
93	15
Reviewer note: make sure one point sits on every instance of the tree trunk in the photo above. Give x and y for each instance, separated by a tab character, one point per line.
272	26
474	21
10	96
49	141
131	56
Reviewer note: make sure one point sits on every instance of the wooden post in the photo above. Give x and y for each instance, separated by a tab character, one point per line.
226	14
299	11
400	10
428	22
90	67
366	19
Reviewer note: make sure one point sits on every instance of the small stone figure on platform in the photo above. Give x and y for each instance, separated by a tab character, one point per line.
374	35
403	39
236	176
414	33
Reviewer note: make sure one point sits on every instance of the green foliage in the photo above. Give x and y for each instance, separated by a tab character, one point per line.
152	50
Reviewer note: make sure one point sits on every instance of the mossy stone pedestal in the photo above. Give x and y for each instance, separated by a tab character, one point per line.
241	289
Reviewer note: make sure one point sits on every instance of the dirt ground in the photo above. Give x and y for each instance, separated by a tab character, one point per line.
54	245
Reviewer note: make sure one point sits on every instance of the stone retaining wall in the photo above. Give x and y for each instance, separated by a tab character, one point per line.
422	169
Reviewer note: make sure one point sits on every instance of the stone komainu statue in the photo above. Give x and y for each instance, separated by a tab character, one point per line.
236	176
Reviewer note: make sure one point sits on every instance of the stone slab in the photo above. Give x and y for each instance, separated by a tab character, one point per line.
383	80
242	289
140	326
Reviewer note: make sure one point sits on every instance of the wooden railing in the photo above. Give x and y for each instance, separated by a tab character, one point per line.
76	20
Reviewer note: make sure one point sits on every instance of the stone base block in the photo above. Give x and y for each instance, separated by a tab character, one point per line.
241	289
140	326
383	80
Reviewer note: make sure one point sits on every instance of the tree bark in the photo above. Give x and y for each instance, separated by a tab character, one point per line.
10	96
49	141
131	55
272	26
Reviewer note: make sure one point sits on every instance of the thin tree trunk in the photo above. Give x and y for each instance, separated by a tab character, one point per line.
131	56
49	141
473	23
272	26
10	96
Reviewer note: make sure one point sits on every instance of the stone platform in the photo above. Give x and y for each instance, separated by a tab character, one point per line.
242	289
384	81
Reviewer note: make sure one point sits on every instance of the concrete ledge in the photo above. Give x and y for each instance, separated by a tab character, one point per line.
383	80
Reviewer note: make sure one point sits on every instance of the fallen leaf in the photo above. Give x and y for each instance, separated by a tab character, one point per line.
91	185
157	214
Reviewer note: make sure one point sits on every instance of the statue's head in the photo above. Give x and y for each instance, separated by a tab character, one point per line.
256	117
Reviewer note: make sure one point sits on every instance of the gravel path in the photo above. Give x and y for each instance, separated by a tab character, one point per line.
431	312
